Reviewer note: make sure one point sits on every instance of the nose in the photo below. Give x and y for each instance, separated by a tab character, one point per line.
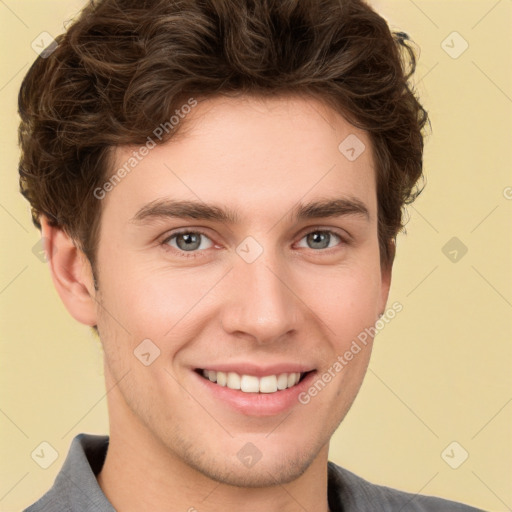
260	304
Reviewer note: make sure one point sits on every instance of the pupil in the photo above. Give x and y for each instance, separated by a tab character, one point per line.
190	239
320	238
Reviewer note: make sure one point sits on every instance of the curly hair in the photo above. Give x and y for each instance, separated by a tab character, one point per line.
123	66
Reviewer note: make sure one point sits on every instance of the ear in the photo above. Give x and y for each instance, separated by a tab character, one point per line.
71	273
386	272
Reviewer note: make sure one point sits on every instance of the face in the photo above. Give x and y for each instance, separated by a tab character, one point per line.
277	274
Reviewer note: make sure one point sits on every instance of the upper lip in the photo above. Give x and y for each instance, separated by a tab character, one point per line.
257	370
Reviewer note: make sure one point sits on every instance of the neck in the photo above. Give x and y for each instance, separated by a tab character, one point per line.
141	474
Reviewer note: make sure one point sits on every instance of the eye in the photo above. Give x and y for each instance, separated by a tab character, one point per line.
188	241
321	239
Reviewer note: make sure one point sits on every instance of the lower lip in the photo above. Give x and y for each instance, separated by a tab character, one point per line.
258	404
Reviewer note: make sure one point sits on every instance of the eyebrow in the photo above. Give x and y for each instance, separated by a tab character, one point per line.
169	208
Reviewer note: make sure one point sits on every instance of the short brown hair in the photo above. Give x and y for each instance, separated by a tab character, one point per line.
125	65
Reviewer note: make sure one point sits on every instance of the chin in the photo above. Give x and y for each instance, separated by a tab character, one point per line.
267	473
250	464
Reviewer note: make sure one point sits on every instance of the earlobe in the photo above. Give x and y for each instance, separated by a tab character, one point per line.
71	273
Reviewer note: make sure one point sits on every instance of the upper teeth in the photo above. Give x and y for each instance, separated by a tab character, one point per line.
252	384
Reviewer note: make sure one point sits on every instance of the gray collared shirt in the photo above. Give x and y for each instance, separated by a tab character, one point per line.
76	488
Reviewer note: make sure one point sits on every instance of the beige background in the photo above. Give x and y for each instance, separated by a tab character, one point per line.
441	369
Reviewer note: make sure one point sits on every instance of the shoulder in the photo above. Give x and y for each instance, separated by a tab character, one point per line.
351	493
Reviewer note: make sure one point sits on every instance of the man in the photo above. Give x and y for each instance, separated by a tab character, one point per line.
220	185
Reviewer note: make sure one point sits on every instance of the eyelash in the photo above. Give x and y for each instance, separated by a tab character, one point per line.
194	254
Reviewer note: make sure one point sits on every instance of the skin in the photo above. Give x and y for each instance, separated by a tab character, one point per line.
296	303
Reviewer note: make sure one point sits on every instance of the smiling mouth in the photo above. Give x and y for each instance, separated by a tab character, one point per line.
251	383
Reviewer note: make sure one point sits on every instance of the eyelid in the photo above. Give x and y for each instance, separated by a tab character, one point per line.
183	231
344	235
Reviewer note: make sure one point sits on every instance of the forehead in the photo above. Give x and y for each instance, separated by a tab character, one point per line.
255	155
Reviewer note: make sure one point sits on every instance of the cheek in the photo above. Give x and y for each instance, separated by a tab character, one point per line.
152	301
346	298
